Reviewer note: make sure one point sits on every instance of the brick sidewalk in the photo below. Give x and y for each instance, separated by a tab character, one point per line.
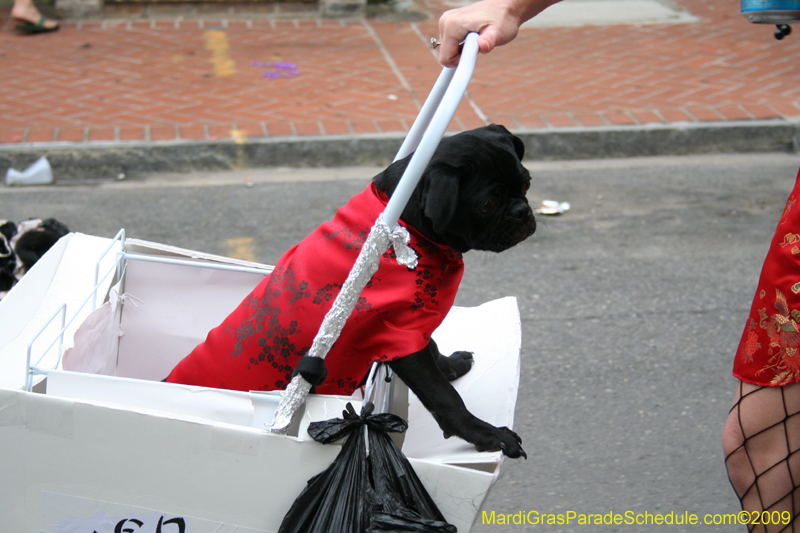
173	78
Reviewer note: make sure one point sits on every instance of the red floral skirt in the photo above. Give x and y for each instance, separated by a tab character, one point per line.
769	352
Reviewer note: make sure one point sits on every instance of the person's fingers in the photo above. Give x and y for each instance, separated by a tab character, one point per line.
488	39
449	54
444	21
450	33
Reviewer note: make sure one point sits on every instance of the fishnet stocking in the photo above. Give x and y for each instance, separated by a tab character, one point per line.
761	440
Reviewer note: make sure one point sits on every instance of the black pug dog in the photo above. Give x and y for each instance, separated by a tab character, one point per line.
470	197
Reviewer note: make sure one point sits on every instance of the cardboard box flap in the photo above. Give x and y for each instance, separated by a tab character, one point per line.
187	402
165	250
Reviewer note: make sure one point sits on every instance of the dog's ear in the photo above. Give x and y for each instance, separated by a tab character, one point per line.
440	194
519	146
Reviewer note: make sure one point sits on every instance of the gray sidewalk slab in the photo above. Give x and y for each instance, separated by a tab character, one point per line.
105	161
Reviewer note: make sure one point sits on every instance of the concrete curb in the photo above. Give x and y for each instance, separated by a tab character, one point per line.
108	160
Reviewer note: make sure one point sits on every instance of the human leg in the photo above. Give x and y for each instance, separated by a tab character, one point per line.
761	440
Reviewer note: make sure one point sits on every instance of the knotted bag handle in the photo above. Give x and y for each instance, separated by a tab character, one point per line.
423	139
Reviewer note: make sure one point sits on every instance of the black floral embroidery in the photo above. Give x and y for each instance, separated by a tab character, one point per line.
348	238
347	384
326	294
426	289
274	339
364	307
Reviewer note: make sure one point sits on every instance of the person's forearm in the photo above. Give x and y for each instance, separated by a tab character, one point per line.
527	9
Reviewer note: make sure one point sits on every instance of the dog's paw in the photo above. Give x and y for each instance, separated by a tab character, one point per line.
505	440
459	364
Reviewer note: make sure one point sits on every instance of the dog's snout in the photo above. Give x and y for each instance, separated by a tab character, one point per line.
519	223
521	210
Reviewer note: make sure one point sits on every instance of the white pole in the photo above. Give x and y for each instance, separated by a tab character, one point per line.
435	131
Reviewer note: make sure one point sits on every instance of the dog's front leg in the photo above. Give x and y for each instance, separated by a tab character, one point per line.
422	375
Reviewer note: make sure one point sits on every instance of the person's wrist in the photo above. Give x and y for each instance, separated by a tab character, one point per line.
515	11
524	10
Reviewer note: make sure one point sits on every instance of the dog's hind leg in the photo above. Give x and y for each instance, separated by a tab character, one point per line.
453	366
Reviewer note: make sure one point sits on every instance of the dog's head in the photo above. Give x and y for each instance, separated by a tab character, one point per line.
472	193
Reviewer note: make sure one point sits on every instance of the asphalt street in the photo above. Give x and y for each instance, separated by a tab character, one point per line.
632	304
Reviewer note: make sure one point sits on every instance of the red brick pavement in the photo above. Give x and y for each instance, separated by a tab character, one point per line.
164	79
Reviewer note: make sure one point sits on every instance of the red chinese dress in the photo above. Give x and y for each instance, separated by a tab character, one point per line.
768	352
259	344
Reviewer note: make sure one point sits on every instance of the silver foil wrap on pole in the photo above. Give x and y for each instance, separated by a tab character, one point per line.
378	241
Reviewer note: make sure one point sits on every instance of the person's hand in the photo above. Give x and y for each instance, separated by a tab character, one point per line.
495	21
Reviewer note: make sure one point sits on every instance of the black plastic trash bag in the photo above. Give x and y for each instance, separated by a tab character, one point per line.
362	493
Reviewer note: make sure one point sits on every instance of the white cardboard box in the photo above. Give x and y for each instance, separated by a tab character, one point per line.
86	451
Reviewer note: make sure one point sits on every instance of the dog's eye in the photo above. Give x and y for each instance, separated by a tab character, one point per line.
488	207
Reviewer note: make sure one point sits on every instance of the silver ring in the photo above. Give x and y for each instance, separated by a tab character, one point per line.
435	43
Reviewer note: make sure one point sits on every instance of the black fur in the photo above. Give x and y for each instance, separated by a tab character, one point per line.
470	197
7	258
421	372
34	244
27	250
